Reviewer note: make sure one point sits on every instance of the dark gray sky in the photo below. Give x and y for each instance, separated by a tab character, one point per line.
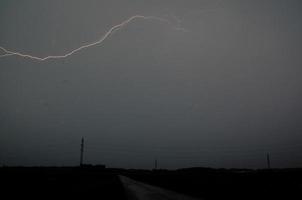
222	94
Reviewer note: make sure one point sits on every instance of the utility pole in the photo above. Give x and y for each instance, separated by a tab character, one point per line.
155	164
268	161
82	152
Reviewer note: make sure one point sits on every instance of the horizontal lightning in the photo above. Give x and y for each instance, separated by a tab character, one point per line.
102	39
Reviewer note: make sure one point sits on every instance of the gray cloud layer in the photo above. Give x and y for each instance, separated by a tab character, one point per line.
222	95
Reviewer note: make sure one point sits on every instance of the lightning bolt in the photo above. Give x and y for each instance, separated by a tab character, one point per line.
101	40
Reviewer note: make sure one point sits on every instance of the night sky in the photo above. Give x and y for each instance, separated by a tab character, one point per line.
218	84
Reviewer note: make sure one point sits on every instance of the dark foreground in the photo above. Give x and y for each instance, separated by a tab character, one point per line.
57	183
94	182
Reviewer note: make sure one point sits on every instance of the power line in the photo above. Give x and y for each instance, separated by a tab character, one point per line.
82	152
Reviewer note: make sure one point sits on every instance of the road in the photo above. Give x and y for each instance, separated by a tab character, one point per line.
136	190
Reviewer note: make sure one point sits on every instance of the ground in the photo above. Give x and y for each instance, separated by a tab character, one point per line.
95	182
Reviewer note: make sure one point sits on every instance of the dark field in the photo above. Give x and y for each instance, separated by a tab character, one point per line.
227	184
94	182
64	182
